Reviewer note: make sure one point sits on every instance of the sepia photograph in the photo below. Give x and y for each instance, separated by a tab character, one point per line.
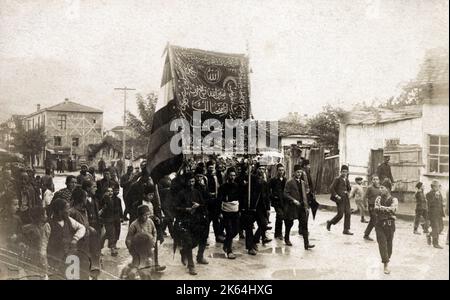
243	140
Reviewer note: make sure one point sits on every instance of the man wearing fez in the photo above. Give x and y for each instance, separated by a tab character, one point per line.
340	189
296	206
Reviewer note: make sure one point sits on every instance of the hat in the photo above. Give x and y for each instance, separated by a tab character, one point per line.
143	209
280	166
305	162
344	168
435	183
358	179
149	188
387	184
198	171
419	185
297	167
210	163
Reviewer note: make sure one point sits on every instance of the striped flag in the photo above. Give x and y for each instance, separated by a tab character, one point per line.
215	84
161	160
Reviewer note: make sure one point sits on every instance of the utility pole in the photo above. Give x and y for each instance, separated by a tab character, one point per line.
124	89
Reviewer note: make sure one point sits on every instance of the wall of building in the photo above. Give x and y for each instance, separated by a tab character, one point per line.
357	141
436	122
78	125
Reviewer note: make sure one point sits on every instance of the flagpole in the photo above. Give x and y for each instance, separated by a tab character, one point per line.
249	132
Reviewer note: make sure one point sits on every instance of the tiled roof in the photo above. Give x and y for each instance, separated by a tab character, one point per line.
435	67
69	106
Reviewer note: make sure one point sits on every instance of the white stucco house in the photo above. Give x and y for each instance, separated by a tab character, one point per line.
415	137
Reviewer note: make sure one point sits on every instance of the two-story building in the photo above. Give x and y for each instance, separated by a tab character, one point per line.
69	127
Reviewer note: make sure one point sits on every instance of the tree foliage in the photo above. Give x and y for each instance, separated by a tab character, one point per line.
142	123
29	142
326	126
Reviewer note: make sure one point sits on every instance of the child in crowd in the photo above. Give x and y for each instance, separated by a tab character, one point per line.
140	248
357	193
112	215
10	223
143	223
35	237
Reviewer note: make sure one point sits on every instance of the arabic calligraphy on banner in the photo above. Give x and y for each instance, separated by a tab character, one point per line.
215	84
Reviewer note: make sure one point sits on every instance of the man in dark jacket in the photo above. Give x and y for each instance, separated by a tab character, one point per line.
384	170
276	188
66	193
191	224
92	209
125	184
84	175
373	191
255	210
104	184
229	195
340	189
421	209
213	185
296	206
435	212
101	165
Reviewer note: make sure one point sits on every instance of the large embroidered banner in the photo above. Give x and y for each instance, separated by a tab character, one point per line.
215	84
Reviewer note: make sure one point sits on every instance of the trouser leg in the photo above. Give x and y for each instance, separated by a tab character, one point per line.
417	219
303	221
288	225
278	222
435	228
347	214
94	248
390	239
361	209
382	243
340	213
371	224
232	224
187	253
247	223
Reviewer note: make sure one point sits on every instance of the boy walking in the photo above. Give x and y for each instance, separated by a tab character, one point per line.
421	209
357	194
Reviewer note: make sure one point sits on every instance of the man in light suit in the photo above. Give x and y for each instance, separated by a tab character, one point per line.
296	206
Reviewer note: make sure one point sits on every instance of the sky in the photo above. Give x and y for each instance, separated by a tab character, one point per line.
303	54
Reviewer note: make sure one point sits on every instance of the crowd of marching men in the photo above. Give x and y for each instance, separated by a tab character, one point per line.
45	226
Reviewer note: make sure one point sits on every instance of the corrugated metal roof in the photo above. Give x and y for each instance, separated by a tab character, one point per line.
379	116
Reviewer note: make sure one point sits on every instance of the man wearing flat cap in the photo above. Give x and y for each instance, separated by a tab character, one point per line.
385	209
435	212
340	189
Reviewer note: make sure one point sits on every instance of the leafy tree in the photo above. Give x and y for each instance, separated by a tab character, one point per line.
142	123
29	142
326	126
